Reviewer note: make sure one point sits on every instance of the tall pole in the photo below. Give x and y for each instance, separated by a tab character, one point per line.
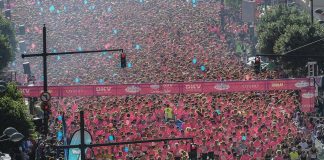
44	59
46	114
312	11
82	145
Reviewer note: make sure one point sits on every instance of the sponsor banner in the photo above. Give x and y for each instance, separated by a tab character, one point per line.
70	91
307	91
308	99
35	91
168	88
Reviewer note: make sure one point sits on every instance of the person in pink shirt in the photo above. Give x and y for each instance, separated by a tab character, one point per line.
279	155
245	156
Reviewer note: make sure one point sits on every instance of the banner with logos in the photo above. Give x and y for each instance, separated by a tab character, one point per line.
305	85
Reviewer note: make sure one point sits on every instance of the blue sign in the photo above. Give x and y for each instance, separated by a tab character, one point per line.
111	138
76	140
92	7
52	8
218	111
115	31
194	3
109	9
126	149
59	136
137	46
77	80
194	60
101	81
129	65
79	49
202	68
60	118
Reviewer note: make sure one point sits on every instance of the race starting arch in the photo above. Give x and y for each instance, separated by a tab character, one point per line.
305	85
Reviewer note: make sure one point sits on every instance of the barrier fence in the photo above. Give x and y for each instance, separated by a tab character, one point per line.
306	86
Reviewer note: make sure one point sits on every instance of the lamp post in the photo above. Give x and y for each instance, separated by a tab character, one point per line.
312	10
12	134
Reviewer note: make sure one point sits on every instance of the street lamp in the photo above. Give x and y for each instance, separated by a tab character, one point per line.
312	10
13	135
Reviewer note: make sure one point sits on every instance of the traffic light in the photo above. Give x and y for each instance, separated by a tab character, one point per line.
257	65
123	60
47	111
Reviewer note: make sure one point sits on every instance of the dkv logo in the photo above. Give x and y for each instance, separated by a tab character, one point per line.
103	89
192	86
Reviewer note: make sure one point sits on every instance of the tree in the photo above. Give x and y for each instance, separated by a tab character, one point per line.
8	31
14	113
283	29
7	42
6	53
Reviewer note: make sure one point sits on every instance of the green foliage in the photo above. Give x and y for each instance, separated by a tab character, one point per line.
282	29
13	93
7	42
14	113
6	53
7	30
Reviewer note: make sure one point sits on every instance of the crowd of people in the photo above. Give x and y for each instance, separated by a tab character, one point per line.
165	41
221	125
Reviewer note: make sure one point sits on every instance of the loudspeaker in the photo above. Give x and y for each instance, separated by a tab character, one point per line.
22	46
1	4
22	30
8	13
26	68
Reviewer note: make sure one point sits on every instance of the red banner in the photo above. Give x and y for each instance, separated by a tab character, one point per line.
304	85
